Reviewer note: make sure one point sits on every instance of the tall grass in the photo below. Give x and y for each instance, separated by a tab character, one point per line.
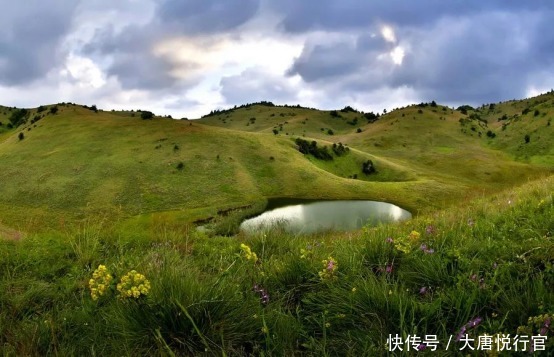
492	259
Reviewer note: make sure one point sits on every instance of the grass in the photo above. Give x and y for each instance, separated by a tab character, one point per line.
86	188
492	259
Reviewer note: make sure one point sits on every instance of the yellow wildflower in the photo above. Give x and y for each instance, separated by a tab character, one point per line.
248	253
330	266
133	285
101	279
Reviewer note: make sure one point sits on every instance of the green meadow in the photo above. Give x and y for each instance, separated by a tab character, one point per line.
100	252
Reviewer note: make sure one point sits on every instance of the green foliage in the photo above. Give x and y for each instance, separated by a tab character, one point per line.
21	136
311	148
146	115
18	117
368	167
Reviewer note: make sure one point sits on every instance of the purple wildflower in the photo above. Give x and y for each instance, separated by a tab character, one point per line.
423	290
264	296
330	265
430	230
471	324
421	347
389	240
545	326
426	249
389	268
473	277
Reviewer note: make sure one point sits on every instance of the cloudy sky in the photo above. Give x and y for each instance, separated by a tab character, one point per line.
187	57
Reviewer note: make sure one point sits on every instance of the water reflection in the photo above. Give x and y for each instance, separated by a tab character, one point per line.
326	215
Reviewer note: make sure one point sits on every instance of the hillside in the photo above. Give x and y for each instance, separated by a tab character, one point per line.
75	161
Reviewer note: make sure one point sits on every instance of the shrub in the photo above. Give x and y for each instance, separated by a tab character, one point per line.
180	166
53	110
21	136
19	117
371	117
334	114
146	115
368	167
330	132
340	149
348	109
176	147
490	134
359	130
433	104
527	138
536	113
308	148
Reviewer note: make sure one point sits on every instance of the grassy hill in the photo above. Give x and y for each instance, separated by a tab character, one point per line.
88	198
68	161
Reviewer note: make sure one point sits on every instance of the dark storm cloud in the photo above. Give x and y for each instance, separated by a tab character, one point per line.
484	57
134	63
300	16
206	16
32	32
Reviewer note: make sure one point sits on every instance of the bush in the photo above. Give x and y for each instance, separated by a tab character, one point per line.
53	110
368	167
330	132
275	131
490	134
308	148
359	130
348	109
527	138
180	166
19	117
371	117
146	115
21	136
536	113
334	114
340	149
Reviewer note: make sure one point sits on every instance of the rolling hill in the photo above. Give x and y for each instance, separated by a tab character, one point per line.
69	161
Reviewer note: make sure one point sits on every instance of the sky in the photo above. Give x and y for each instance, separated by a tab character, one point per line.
187	57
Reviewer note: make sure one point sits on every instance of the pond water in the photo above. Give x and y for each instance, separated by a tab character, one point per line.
305	216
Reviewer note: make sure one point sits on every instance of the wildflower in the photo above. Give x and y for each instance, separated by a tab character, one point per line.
423	290
389	268
421	347
426	250
248	253
469	325
389	240
470	222
133	285
327	325
354	289
414	235
100	281
430	230
264	296
330	266
265	330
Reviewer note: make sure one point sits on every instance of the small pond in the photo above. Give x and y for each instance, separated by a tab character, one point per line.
303	216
